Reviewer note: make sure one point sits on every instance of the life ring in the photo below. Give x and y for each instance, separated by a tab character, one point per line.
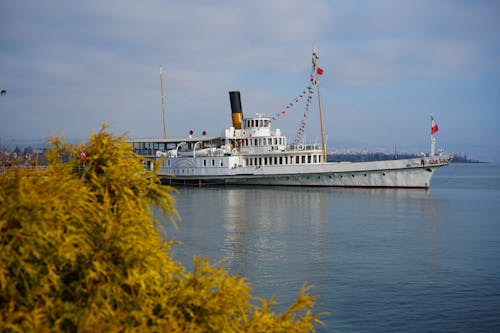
243	133
234	151
300	147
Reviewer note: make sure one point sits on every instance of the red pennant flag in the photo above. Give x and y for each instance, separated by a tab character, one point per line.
319	70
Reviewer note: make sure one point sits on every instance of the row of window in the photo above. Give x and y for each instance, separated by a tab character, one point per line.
206	162
163	146
252	123
263	141
284	160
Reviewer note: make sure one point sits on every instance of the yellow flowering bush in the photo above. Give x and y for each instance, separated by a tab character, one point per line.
82	251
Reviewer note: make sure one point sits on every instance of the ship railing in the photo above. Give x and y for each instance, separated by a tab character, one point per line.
304	146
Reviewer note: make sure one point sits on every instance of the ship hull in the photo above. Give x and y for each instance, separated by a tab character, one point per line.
409	173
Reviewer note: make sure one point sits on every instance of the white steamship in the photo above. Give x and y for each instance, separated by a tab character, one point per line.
250	152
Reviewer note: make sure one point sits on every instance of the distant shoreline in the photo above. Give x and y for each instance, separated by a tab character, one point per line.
366	157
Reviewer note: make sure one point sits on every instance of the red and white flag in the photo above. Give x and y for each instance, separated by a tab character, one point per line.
83	156
434	126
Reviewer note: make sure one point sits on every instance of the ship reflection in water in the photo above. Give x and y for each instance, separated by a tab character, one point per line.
281	237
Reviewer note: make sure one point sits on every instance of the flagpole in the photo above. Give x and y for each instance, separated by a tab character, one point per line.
163	104
323	144
433	141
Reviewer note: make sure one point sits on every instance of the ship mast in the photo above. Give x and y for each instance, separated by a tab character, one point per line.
163	104
316	73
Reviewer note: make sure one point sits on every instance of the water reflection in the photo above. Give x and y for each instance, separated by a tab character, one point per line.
275	236
419	258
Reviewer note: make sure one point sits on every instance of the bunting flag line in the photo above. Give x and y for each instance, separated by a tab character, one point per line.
307	94
308	91
312	79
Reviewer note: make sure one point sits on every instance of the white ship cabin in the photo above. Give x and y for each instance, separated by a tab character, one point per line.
256	138
250	142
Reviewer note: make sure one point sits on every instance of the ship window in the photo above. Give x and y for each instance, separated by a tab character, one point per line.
275	160
269	141
281	160
320	158
261	123
221	162
213	162
303	159
260	160
309	159
204	162
275	141
315	158
265	160
297	159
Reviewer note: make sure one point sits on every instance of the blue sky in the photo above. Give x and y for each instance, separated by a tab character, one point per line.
68	66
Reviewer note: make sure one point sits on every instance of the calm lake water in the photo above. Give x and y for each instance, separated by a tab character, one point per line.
379	260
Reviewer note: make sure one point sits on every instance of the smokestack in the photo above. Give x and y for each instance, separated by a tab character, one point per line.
236	113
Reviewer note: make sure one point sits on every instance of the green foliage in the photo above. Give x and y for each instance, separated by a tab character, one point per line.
82	250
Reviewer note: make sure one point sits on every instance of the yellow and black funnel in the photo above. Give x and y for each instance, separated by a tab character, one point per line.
236	113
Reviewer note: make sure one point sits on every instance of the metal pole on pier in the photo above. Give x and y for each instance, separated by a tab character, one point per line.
163	104
317	72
